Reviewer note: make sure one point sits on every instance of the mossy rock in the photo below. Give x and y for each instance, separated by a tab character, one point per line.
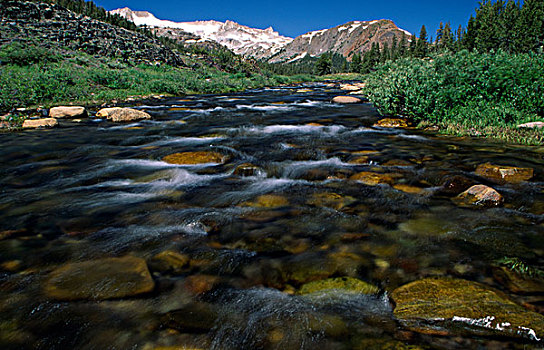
448	306
100	279
343	284
198	157
504	174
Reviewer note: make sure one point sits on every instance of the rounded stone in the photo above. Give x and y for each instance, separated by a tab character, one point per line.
198	157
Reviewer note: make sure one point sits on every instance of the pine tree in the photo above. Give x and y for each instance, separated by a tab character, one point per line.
447	40
421	45
413	43
509	19
324	64
469	39
402	46
459	36
394	49
439	33
355	65
530	26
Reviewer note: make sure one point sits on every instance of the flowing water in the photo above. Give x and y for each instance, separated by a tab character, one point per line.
252	237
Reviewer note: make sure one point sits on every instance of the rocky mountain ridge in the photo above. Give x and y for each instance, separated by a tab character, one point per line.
346	39
243	40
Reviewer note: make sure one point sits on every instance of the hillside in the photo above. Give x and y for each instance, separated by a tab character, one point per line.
54	27
346	40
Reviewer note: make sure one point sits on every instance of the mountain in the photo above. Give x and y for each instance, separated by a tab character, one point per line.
346	39
243	40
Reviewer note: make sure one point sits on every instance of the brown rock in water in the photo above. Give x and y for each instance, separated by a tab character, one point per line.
169	261
247	169
351	87
391	123
117	114
331	200
372	179
107	278
199	284
447	306
518	283
504	174
40	123
409	189
479	195
342	284
267	201
346	99
199	157
67	112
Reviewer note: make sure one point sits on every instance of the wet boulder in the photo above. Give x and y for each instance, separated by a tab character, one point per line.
342	284
504	174
198	157
479	195
372	179
346	99
351	87
107	278
447	306
118	114
391	123
40	123
67	112
247	169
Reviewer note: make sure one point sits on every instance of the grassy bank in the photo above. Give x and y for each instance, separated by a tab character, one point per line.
37	77
465	93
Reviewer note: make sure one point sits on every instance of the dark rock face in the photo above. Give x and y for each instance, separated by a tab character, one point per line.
52	25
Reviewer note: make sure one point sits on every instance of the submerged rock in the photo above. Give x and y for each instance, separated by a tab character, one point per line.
194	318
372	179
409	189
267	201
343	284
67	112
479	195
199	157
331	200
455	184
40	123
448	306
346	99
391	123
518	283
504	174
100	279
118	114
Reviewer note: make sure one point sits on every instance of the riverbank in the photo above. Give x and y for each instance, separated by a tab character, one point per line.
465	94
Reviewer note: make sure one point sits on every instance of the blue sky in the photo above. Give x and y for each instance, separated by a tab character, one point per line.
293	18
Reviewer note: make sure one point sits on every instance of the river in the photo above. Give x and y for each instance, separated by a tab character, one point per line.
229	244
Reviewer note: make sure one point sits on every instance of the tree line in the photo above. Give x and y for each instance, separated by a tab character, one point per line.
497	25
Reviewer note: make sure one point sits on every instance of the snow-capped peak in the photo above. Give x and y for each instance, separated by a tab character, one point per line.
239	38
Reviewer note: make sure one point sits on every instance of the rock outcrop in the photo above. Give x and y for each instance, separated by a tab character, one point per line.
40	123
67	112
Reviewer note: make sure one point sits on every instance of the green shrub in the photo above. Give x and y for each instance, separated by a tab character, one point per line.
469	88
24	54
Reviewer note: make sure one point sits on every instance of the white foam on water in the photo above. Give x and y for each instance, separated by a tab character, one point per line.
146	163
413	137
183	141
297	129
